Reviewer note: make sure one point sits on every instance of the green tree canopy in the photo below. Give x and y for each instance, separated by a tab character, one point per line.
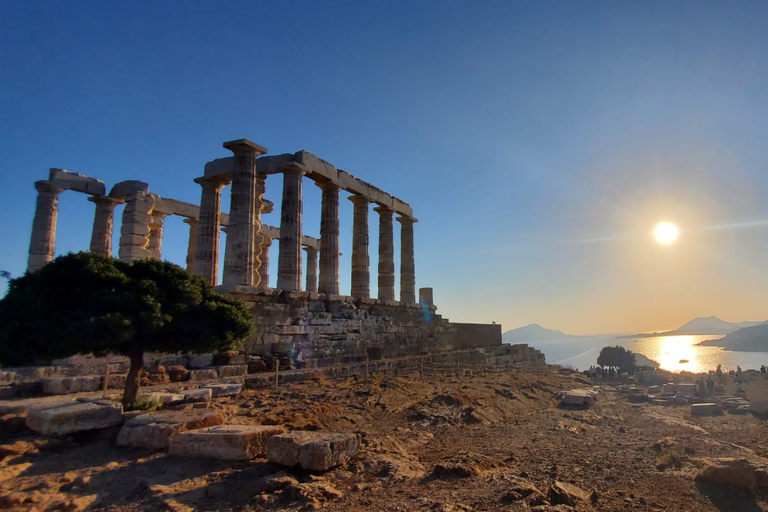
85	303
618	357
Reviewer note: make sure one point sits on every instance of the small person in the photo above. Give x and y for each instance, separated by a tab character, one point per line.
710	386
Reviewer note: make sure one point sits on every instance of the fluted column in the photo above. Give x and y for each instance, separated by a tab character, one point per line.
266	243
407	263
289	260
311	269
361	277
43	242
386	254
155	246
207	255
135	230
194	228
103	223
329	239
239	268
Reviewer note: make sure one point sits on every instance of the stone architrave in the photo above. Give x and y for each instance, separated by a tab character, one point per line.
311	269
266	243
103	223
386	254
207	255
43	242
361	278
245	207
194	228
134	233
407	263
329	239
289	259
155	246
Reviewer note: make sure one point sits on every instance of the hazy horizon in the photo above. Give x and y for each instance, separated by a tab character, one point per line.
539	144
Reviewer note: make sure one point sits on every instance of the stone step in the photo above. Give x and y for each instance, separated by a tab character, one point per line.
77	416
153	430
227	442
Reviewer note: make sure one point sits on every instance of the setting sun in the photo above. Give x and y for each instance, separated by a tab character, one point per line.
665	232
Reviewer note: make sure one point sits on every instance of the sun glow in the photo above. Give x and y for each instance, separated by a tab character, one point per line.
665	233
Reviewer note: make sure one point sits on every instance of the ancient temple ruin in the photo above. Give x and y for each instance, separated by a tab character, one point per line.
314	321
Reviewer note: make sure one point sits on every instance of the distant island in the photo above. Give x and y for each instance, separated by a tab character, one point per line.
748	339
710	325
532	333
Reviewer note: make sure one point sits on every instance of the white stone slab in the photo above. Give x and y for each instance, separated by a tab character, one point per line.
164	398
153	430
228	442
201	394
66	385
315	451
223	389
77	416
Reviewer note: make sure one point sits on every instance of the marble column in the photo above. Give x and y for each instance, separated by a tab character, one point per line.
194	228
239	267
329	239
386	254
407	263
155	246
361	278
43	242
135	230
289	259
311	269
266	243
103	223
258	238
207	255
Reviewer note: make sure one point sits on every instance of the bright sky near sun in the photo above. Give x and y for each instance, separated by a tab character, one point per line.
539	143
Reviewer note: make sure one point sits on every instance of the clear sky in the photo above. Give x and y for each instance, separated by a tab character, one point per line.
538	142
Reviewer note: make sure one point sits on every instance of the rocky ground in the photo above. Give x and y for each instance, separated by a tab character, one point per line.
473	443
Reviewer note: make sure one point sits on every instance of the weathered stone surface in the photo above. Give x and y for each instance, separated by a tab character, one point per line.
230	442
708	409
563	493
728	471
164	398
578	397
198	375
63	419
153	430
316	451
197	394
233	370
224	389
200	361
66	385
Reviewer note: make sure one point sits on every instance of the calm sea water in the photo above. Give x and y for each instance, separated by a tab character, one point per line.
668	351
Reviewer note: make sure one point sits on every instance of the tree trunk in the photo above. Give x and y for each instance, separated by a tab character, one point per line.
134	378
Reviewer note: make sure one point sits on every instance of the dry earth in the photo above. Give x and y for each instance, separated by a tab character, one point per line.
475	443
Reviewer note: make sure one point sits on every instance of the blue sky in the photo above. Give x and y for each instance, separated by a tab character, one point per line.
538	142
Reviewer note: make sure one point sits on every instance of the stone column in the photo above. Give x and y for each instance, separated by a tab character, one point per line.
266	243
407	263
155	246
134	233
258	238
194	228
289	260
207	255
43	242
329	239
103	223
386	254
361	278
239	267
311	269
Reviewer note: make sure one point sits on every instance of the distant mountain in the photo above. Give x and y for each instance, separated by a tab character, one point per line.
701	325
533	332
748	339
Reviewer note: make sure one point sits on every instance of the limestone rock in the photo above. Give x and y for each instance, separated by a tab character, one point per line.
275	482
316	451
66	385
520	489
163	398
728	471
707	409
563	493
200	361
198	375
230	442
465	466
153	430
224	389
237	370
200	394
63	419
313	494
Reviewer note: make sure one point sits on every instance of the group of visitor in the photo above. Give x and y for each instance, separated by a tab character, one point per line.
600	374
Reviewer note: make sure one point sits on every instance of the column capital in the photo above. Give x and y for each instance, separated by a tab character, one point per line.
327	185
216	182
245	146
359	199
266	240
404	219
105	200
311	250
44	186
384	210
191	221
294	168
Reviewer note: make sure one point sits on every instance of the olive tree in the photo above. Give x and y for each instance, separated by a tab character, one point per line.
86	303
618	357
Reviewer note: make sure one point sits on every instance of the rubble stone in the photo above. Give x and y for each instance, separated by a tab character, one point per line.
224	389
315	451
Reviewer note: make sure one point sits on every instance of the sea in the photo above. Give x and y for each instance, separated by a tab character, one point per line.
673	353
